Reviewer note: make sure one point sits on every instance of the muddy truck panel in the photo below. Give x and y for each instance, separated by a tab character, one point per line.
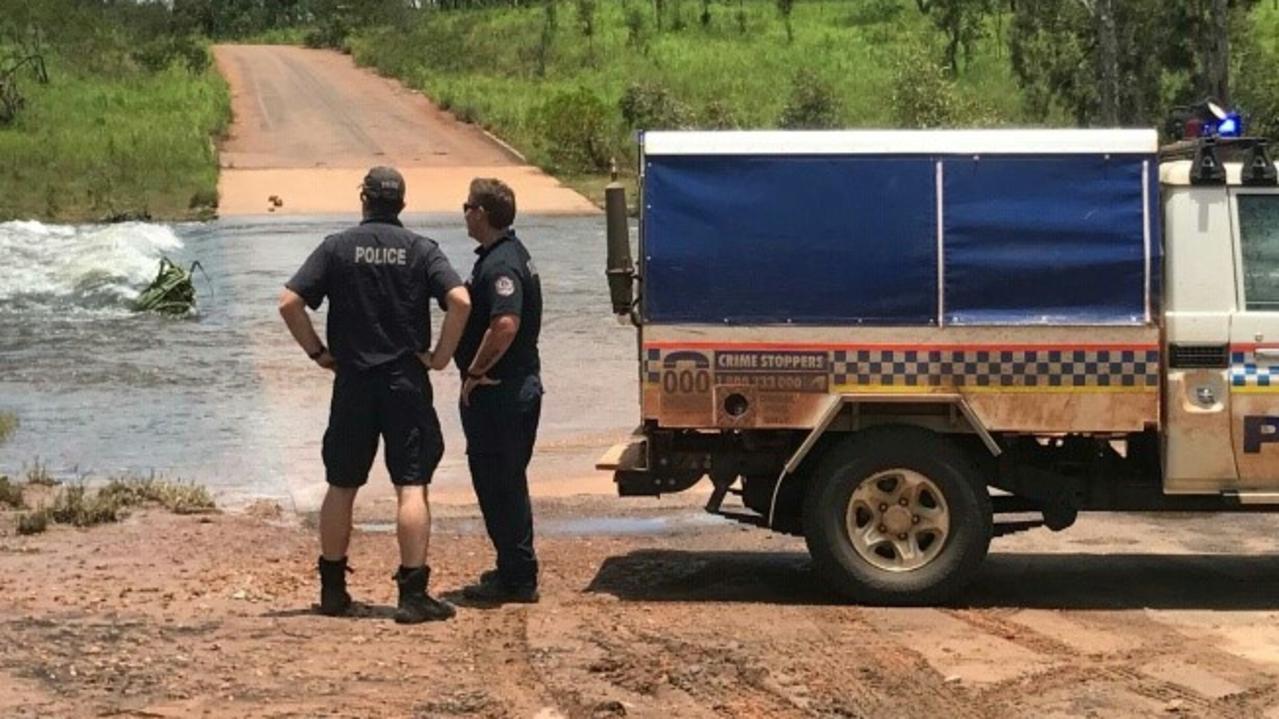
900	344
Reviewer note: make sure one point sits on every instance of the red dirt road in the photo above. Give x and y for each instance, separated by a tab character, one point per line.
651	614
308	123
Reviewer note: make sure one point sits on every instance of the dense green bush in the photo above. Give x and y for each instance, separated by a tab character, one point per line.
718	115
873	12
164	51
923	94
651	106
813	103
577	129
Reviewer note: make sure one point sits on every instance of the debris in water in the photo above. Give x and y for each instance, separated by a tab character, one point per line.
171	293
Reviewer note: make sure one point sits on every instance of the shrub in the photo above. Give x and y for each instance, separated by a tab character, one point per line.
177	497
576	130
33	522
873	12
38	474
332	32
813	104
925	95
75	506
718	115
10	494
162	52
650	106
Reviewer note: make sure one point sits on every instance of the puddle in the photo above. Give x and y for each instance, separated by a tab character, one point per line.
585	526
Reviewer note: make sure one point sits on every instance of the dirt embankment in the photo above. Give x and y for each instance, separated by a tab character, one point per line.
308	123
653	613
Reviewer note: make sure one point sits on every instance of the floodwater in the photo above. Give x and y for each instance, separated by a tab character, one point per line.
225	398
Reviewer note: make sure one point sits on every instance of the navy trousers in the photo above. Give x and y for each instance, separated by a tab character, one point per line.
501	429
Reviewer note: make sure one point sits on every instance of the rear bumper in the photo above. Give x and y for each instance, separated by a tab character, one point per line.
630	455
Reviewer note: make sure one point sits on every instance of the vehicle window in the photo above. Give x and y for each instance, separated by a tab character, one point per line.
1259	241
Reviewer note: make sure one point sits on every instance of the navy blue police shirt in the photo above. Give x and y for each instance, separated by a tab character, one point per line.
504	281
379	279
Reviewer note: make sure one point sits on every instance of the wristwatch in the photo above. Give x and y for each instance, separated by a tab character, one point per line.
315	356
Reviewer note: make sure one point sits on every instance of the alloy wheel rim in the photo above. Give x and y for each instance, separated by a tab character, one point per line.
898	520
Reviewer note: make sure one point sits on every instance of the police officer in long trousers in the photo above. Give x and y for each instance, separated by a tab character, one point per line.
501	389
379	279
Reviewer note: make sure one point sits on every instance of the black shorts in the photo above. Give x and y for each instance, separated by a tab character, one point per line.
392	401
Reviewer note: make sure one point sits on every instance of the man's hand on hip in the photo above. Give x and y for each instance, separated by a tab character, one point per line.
472	382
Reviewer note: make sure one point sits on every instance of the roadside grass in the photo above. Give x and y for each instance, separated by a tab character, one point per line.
92	146
38	475
737	71
77	506
176	496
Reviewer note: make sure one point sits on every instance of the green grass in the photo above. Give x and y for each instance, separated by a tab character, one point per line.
482	64
90	146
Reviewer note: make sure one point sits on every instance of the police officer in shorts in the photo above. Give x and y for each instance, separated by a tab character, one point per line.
501	389
379	279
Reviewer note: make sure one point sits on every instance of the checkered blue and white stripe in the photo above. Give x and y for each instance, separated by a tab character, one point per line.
1038	368
1245	371
988	368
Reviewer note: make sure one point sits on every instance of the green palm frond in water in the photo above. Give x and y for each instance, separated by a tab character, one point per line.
171	293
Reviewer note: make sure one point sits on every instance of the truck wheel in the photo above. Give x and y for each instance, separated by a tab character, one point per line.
897	516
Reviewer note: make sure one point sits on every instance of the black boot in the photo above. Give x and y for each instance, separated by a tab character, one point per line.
492	590
416	606
334	600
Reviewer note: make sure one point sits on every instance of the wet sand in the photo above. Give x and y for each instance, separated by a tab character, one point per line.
308	124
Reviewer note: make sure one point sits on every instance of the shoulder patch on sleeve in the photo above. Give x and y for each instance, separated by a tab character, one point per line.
504	286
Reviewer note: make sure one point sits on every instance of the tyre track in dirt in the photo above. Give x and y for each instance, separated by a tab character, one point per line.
810	661
504	662
1160	645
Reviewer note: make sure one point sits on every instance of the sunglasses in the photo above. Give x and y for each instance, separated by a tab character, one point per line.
467	207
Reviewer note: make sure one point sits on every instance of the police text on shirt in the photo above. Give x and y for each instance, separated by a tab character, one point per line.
381	255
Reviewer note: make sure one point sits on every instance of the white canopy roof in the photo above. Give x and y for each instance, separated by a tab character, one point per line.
901	142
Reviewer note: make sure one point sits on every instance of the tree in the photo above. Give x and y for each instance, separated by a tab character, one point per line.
962	21
1217	52
785	7
1122	63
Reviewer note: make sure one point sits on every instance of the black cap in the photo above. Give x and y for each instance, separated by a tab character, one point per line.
383	183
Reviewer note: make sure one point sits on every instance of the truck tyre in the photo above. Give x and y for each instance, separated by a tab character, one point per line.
897	516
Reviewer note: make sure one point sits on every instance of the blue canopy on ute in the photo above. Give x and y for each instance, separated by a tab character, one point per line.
966	228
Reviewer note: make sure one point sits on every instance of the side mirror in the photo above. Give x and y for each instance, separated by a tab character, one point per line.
621	270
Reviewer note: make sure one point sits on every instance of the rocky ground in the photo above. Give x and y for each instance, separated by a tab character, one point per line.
647	612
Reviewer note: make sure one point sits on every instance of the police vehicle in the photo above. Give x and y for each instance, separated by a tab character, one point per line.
901	344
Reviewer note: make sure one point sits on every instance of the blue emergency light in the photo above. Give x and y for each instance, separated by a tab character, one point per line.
1229	126
1211	120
